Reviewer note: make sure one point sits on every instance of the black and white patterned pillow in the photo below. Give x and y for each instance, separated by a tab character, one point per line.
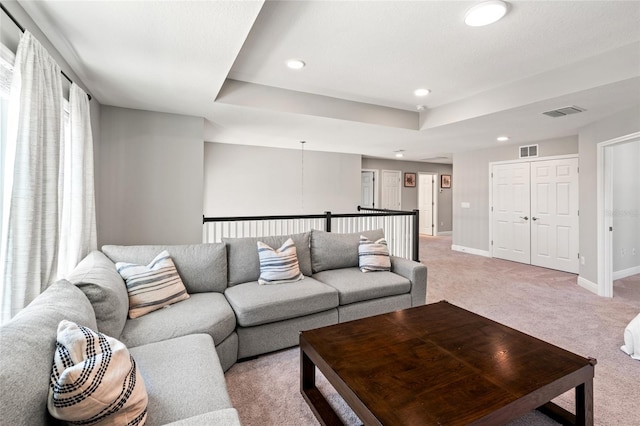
278	266
94	380
373	255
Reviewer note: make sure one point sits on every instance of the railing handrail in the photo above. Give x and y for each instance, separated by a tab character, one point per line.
379	212
277	217
372	209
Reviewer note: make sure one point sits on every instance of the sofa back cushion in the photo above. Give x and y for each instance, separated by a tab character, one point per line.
244	263
27	346
97	277
202	267
330	250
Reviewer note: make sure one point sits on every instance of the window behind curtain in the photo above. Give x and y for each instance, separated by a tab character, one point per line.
7	58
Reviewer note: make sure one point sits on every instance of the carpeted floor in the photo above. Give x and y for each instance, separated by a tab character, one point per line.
628	288
544	303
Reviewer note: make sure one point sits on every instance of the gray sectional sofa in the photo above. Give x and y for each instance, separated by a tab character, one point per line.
183	350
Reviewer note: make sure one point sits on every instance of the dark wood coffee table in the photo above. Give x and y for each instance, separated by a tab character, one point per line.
439	364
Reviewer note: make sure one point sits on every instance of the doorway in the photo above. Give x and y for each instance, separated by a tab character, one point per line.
391	190
368	188
609	231
534	210
427	204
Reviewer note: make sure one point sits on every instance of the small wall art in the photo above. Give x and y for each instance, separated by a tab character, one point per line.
445	181
410	180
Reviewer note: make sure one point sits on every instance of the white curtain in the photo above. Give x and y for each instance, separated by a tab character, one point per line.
31	223
78	221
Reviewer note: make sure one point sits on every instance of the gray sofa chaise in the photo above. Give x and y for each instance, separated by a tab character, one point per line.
183	350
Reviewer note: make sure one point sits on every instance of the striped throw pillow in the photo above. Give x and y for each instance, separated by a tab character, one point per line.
278	266
94	380
373	256
153	286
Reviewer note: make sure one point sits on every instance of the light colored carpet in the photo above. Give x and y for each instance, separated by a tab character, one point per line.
627	288
544	303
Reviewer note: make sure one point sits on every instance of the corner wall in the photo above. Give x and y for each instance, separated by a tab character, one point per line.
150	174
242	180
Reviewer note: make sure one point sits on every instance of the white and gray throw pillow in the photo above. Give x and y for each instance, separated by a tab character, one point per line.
373	255
153	286
94	380
278	266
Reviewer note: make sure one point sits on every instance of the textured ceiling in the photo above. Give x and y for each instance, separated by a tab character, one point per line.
224	61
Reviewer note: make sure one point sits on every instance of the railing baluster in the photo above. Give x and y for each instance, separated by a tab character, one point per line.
400	227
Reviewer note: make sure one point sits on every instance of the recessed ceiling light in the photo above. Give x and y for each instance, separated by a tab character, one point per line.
399	153
421	107
295	64
503	138
421	92
485	13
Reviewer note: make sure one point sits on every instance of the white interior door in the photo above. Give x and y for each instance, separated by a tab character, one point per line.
511	206
391	181
554	214
367	189
425	203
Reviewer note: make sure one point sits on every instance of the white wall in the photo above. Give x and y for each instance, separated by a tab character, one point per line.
471	185
242	180
150	178
626	206
409	196
620	124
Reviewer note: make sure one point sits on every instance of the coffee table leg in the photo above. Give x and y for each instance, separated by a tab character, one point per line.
584	404
317	402
307	372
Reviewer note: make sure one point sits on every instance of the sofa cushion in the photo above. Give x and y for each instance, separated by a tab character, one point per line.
153	286
278	266
97	277
183	378
94	379
256	304
207	313
202	267
354	286
330	250
373	256
244	264
27	345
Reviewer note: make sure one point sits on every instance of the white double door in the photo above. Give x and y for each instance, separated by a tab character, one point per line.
535	213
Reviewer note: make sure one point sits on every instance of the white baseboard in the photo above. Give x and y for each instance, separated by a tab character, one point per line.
618	275
444	233
586	284
470	250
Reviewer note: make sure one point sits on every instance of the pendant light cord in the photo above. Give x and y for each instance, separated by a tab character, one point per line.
302	174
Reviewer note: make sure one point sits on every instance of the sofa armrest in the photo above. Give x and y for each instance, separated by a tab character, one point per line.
416	273
224	417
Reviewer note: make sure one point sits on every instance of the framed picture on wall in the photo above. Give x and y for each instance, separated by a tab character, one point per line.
410	180
445	181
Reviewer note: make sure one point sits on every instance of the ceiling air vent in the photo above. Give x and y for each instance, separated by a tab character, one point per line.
529	151
561	112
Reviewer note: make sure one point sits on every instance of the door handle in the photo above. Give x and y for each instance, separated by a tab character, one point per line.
525	218
534	218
